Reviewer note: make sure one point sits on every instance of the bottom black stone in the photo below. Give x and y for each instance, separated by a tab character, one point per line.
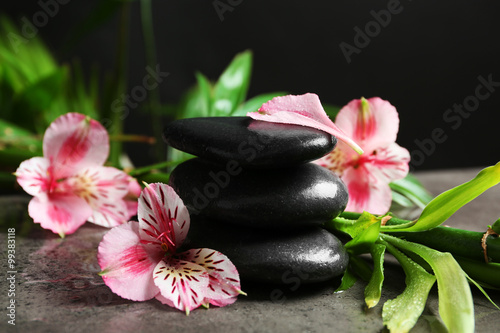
309	255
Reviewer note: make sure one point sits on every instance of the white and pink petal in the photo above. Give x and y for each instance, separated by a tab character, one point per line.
372	123
366	193
224	280
182	284
34	176
389	163
132	197
73	142
164	220
127	267
304	110
61	213
103	188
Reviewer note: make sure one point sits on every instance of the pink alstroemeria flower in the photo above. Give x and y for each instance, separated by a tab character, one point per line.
70	185
139	260
305	110
374	124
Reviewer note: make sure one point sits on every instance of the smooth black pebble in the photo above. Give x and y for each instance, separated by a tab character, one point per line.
248	142
310	255
305	195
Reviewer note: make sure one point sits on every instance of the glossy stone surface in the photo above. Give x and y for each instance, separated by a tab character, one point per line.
249	142
304	195
301	256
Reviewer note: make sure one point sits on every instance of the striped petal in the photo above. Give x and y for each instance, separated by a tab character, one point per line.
104	189
73	142
304	110
224	280
164	220
61	213
34	176
182	284
389	163
127	267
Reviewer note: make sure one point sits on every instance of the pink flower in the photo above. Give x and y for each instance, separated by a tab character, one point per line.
70	185
139	260
374	124
305	110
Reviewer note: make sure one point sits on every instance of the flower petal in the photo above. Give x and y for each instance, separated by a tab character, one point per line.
103	188
61	213
164	220
74	141
224	280
34	176
127	266
305	110
181	283
337	160
131	199
366	192
373	123
390	163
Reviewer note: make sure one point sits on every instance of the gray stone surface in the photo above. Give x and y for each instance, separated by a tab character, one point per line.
57	289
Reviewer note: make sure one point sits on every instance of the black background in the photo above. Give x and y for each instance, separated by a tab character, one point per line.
425	60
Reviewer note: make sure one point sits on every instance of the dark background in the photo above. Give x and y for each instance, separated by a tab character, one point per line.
425	60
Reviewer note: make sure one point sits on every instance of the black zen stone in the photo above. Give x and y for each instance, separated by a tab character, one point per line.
311	254
304	195
249	142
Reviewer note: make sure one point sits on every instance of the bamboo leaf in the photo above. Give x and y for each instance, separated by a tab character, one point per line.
455	299
350	226
410	188
373	290
363	242
231	88
348	280
447	203
401	314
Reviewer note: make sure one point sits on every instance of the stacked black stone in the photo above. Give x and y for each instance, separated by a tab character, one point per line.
253	196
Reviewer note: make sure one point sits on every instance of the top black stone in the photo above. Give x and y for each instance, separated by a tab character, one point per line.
249	142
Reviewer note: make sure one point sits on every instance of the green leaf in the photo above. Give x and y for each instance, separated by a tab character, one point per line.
14	136
447	203
231	88
487	274
348	280
363	242
496	226
412	189
204	107
455	299
195	102
373	290
401	199
401	314
478	286
360	267
255	103
351	227
36	99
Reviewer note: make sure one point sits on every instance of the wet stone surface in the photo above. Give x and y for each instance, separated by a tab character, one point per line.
311	254
248	142
58	289
305	195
